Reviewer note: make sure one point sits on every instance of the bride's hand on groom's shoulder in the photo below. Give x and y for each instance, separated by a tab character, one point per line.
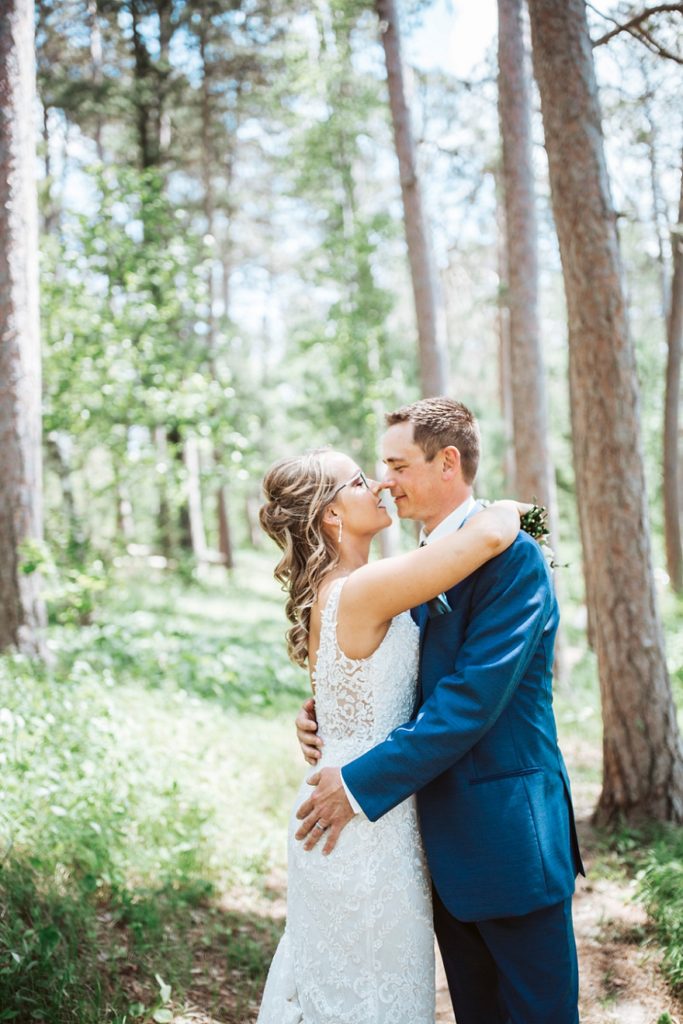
306	732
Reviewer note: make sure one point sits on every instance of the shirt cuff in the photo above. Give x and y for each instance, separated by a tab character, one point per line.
355	806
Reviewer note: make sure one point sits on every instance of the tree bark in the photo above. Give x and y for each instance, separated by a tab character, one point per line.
124	519
643	756
164	518
58	448
224	532
194	498
674	337
22	612
96	68
534	477
176	448
503	327
431	340
207	183
149	152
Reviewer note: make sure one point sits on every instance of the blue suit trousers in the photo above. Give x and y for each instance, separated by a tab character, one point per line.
511	970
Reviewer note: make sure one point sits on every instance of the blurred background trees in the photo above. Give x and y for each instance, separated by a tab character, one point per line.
261	226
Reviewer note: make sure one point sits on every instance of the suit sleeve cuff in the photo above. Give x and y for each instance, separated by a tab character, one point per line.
355	806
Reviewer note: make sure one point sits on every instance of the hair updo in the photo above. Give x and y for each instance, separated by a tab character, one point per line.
297	491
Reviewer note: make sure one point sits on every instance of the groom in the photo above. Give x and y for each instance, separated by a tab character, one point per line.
481	752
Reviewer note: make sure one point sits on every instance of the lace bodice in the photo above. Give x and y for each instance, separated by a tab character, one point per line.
360	700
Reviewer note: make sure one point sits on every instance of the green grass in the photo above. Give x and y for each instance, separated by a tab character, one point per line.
661	888
146	781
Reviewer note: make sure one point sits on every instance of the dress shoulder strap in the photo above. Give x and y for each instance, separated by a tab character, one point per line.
328	615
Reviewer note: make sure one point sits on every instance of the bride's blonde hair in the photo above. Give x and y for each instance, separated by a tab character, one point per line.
297	491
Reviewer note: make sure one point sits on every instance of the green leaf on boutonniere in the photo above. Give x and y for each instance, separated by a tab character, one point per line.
535	522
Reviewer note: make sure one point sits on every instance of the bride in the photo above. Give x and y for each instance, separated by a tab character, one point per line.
358	946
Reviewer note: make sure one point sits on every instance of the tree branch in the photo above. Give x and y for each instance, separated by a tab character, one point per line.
635	22
651	43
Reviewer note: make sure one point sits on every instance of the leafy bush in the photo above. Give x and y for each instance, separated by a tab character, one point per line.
661	887
131	802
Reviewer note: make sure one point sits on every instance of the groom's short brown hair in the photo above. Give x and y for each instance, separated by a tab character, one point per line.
441	422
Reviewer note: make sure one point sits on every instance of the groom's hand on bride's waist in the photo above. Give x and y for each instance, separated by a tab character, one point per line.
326	812
307	732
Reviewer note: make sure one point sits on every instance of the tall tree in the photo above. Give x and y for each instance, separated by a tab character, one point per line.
21	609
643	757
672	400
521	355
433	371
503	330
527	379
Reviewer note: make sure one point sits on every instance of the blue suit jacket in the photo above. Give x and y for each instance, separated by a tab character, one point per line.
482	753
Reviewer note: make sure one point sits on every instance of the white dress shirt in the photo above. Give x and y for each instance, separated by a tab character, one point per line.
450	524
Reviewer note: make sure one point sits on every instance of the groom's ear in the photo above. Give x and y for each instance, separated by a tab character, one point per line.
450	462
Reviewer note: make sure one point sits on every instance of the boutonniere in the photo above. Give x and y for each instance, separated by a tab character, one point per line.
535	523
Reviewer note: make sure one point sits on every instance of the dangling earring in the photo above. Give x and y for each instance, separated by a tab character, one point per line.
339	535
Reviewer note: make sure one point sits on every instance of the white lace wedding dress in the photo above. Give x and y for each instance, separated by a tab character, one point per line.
358	947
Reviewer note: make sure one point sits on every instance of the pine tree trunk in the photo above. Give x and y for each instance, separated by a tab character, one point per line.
125	522
96	68
224	532
643	757
530	427
58	447
251	513
207	185
504	367
674	337
534	475
193	490
433	370
21	610
164	519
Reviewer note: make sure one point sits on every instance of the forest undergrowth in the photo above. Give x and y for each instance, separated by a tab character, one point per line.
147	776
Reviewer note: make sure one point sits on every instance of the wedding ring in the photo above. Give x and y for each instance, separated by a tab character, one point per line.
321	827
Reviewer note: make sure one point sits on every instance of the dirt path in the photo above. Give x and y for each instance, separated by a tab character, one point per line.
618	955
619	959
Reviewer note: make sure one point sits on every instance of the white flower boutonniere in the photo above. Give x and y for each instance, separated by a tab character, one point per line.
535	523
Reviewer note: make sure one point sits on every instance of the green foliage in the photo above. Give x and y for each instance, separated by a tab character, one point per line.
120	305
351	365
661	888
128	785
